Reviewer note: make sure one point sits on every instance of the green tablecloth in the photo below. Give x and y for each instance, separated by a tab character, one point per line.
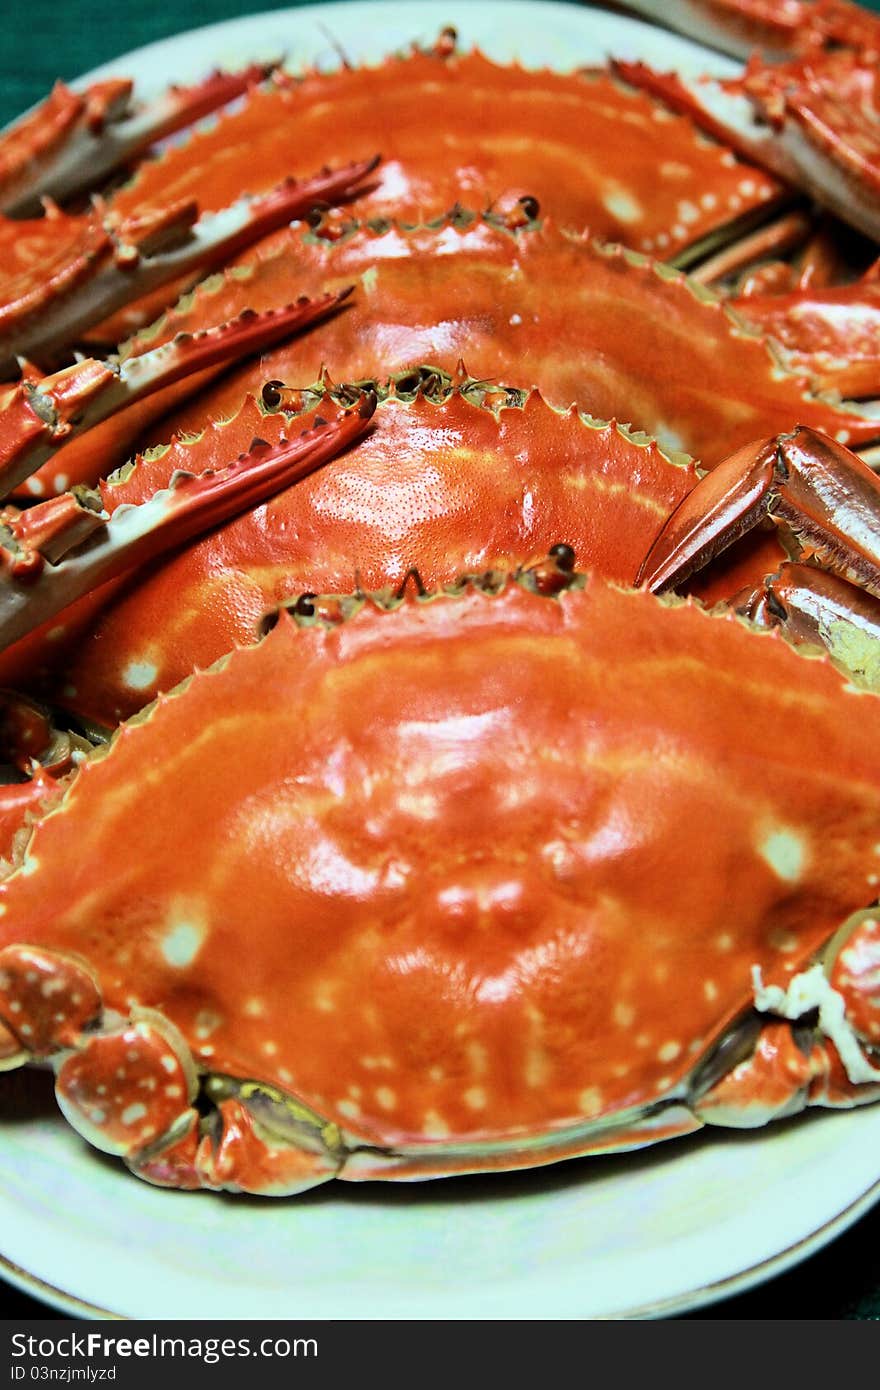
46	40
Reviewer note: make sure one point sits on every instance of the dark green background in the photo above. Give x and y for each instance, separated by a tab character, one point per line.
46	39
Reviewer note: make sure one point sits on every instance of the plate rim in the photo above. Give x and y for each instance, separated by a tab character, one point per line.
716	1291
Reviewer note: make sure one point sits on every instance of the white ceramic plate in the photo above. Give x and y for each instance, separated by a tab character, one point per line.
645	1234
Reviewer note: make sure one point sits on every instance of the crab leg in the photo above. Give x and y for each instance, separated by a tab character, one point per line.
37	417
45	313
824	500
774	28
812	122
63	548
831	332
73	140
822	609
812	1043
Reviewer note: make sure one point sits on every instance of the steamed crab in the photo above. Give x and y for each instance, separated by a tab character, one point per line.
454	794
436	967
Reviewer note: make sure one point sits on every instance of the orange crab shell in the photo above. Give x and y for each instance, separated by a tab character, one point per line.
440	485
553	135
591	324
472	884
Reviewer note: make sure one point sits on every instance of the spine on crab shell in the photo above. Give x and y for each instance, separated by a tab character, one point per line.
149	252
60	549
74	140
41	415
549	576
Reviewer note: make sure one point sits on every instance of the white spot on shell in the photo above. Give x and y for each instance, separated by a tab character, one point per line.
207	1021
323	1000
622	205
62	482
624	1015
475	1098
590	1101
140	675
350	1109
668	1052
434	1126
132	1113
785	852
377	1063
386	1097
180	944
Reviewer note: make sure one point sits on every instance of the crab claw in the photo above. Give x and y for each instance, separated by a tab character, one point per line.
39	416
45	566
75	139
92	265
822	497
126	1089
819	609
46	999
770	1083
812	121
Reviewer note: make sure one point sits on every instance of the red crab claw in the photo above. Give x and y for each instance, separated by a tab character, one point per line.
776	30
143	1060
822	497
52	995
36	417
829	332
39	753
812	121
241	1154
75	139
810	1042
97	266
29	740
819	609
63	548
